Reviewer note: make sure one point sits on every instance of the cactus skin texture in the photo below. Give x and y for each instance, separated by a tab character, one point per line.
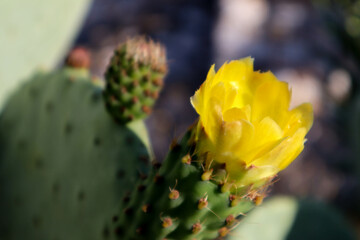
64	162
134	79
180	201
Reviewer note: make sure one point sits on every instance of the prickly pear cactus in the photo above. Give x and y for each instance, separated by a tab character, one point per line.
134	79
64	162
224	164
180	200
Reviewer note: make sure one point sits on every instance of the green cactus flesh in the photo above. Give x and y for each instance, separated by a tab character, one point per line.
175	203
64	162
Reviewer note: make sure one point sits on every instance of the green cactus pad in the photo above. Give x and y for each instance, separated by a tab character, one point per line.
64	162
286	218
134	79
175	202
35	35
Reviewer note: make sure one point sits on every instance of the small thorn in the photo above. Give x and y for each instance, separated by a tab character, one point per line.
207	175
155	95
234	200
203	203
146	109
123	90
226	187
258	200
123	72
186	159
196	227
158	82
135	83
167	222
145	208
147	92
135	99
174	194
223	231
230	220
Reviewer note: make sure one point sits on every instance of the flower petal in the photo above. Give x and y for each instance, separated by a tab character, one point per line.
271	98
199	100
237	114
285	152
301	116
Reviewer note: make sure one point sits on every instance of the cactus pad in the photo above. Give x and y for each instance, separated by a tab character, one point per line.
64	162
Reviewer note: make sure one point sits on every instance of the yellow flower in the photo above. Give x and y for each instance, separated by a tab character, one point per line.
245	122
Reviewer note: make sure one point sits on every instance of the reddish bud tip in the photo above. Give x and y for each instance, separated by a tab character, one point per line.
79	57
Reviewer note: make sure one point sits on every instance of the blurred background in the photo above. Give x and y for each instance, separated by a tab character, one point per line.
313	45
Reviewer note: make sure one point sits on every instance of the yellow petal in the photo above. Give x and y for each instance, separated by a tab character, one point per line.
267	130
285	152
251	175
272	98
301	116
231	134
212	120
198	101
237	74
267	135
235	114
